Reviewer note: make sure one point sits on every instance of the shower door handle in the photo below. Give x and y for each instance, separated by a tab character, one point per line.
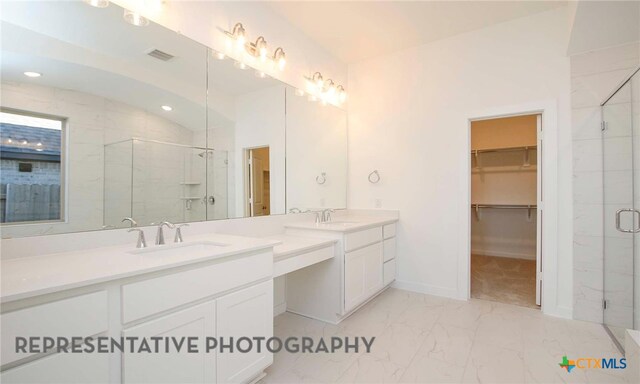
633	212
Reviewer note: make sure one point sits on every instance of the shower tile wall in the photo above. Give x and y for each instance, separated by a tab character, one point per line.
594	75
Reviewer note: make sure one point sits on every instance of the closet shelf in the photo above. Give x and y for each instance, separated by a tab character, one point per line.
528	207
505	149
525	149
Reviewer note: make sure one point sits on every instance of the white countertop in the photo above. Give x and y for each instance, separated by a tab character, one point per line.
345	223
288	246
31	276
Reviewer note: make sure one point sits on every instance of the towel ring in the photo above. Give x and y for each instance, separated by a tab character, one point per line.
322	178
374	177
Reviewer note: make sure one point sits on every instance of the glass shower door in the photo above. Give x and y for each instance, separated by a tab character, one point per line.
621	215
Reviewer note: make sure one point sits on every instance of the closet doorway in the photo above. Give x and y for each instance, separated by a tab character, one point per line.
506	259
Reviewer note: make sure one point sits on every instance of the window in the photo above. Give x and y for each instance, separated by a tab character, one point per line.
31	167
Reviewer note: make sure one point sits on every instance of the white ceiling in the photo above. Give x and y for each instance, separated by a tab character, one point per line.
356	30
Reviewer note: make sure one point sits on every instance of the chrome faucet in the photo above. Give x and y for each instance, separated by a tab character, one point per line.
142	242
178	238
326	215
160	233
323	216
130	219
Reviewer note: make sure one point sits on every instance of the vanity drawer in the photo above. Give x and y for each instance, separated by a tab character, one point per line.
83	316
159	294
389	231
389	272
389	249
361	239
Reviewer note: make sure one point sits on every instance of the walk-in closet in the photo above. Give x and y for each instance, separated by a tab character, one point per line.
505	189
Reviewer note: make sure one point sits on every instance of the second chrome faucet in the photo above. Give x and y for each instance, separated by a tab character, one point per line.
160	233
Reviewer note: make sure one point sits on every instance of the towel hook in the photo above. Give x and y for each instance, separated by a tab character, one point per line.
322	178
374	177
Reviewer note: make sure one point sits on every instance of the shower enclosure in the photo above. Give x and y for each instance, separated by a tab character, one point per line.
154	181
621	208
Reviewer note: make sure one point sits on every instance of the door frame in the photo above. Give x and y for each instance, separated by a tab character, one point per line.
549	190
246	175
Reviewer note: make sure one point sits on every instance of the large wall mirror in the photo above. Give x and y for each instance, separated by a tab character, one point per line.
102	120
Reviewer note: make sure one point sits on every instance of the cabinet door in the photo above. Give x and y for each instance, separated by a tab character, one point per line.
174	367
362	274
64	368
373	279
246	313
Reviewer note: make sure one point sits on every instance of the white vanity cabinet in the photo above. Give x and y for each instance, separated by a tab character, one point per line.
363	266
246	313
389	243
222	298
363	274
198	321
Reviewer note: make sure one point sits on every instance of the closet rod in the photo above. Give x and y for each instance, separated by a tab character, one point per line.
505	206
509	149
529	208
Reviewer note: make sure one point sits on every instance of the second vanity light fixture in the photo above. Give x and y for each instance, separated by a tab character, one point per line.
258	49
327	91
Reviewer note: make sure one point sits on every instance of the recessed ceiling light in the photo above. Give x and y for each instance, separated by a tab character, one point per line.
167	108
32	74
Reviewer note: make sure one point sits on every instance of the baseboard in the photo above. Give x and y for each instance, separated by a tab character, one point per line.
279	309
563	312
512	255
428	289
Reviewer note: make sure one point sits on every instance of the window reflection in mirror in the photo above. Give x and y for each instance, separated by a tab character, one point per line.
31	172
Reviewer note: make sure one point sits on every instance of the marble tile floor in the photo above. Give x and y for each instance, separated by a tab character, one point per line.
503	279
428	339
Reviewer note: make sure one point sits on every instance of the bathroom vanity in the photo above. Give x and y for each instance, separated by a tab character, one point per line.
219	286
364	265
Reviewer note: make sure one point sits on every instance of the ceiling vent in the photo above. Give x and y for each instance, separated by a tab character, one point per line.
158	54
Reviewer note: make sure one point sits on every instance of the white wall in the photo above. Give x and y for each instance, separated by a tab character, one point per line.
594	76
408	117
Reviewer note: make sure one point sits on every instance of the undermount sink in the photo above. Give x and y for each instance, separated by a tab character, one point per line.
195	249
340	223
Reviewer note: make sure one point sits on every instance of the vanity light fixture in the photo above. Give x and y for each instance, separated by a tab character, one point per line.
326	91
98	3
135	18
330	89
167	108
280	58
239	34
317	80
32	74
342	94
259	48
